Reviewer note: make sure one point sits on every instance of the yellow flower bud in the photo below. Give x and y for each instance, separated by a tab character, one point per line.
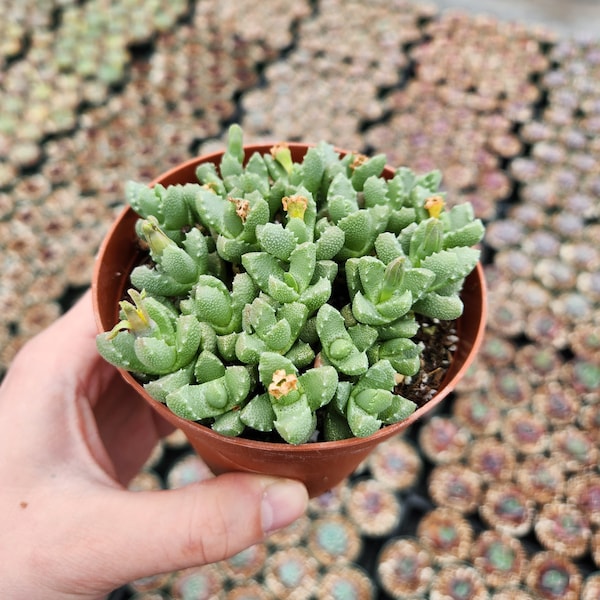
137	320
295	206
282	154
157	239
434	205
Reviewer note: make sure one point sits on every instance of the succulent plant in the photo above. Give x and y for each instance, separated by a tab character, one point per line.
284	296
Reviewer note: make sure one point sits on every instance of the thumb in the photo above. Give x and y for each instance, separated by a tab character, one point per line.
164	531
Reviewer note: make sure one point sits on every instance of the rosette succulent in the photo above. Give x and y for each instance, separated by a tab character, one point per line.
284	297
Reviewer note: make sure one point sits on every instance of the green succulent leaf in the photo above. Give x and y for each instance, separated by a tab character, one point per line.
401	408
232	250
176	203
427	239
313	169
418	281
388	247
259	414
243	292
259	214
229	424
466	236
226	345
445	308
160	388
401	218
402	353
207	175
459	216
363	336
157	356
316	295
450	265
361	228
258	168
400	187
295	423
267	328
329	243
157	283
375	191
233	158
381	375
342	395
210	208
374	312
188	335
248	348
319	385
371	272
196	246
373	166
301	354
373	401
261	266
212	303
342	198
327	269
212	398
335	427
208	367
397	306
430	181
119	351
361	422
405	327
281	291
366	312
143	199
276	240
337	343
302	265
161	313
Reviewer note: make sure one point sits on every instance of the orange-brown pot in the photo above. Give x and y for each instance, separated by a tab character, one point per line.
320	465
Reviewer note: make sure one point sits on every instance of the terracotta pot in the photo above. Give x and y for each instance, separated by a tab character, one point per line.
319	465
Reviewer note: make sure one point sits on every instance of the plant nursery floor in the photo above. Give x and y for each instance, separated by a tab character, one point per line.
498	495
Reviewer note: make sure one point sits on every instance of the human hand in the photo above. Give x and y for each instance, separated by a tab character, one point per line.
72	434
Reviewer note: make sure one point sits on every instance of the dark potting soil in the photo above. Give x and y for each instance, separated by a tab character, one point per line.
439	339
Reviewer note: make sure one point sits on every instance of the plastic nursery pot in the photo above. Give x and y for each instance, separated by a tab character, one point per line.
319	465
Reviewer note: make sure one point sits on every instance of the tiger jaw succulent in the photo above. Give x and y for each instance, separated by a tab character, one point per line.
284	296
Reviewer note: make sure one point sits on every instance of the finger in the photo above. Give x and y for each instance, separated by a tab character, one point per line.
58	376
128	428
157	532
63	356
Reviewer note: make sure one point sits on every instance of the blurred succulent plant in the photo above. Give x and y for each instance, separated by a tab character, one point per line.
284	296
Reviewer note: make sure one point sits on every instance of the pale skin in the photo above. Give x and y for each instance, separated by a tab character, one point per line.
72	434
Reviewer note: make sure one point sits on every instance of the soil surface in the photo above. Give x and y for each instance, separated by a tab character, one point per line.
439	339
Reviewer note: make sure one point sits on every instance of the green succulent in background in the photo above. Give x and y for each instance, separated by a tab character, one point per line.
285	297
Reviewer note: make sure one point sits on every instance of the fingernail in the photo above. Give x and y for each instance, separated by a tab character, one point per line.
282	503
